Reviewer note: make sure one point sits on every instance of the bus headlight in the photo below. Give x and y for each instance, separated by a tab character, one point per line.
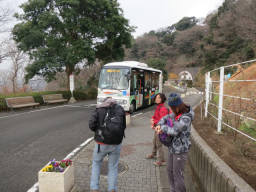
122	102
100	100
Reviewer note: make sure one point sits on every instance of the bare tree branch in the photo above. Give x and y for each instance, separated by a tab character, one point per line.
18	59
5	17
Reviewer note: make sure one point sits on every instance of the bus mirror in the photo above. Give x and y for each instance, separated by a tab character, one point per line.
128	76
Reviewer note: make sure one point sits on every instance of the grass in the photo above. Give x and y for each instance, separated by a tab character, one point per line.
248	130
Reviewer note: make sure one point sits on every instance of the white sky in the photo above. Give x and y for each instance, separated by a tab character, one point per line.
148	15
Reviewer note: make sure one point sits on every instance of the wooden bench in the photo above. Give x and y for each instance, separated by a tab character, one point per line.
20	102
54	98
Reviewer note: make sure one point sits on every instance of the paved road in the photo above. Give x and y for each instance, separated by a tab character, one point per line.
29	140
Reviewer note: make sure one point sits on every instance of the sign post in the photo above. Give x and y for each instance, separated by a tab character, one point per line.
72	88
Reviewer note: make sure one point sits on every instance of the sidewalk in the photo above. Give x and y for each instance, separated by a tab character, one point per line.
136	173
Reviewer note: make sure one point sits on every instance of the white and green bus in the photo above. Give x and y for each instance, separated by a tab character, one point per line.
130	83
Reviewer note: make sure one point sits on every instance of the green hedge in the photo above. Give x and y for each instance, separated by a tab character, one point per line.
92	93
79	95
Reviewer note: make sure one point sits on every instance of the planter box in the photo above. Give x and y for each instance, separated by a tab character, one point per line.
56	181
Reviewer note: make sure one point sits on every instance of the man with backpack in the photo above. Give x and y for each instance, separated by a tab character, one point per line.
108	123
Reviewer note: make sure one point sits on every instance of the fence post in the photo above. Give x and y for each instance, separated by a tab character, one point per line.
210	88
207	78
220	98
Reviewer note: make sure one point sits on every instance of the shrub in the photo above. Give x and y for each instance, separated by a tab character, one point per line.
80	95
92	93
3	105
65	94
189	83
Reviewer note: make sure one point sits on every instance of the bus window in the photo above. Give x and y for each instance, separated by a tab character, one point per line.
155	81
114	78
133	81
147	80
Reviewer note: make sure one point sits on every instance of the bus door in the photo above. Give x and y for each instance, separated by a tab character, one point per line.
147	89
137	87
140	91
155	85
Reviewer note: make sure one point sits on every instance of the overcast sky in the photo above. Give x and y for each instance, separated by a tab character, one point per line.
149	15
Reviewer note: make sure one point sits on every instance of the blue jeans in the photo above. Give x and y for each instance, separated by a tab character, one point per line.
113	152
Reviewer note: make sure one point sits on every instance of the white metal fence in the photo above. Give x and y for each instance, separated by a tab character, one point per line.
209	92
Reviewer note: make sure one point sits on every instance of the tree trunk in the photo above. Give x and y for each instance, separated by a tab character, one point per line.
68	81
13	85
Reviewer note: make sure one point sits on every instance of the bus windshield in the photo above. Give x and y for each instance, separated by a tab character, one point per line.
114	78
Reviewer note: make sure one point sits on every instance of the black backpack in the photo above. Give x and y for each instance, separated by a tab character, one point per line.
111	130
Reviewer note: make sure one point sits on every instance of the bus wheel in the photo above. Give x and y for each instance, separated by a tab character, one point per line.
133	107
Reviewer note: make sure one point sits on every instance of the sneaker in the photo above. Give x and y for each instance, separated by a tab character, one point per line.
150	156
159	163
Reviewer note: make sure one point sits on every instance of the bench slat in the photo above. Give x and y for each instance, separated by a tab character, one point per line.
57	101
25	105
54	98
18	102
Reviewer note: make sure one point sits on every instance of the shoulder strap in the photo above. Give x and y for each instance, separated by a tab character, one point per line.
106	116
177	117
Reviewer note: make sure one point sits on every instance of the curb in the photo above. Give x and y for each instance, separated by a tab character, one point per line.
159	186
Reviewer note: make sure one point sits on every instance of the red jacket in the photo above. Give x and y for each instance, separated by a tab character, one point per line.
160	112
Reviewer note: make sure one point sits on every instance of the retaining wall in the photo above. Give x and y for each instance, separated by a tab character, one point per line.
213	174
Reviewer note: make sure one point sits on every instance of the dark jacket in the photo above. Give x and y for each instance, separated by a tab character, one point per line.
180	131
97	120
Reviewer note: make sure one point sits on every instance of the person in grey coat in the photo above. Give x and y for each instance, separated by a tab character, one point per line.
181	118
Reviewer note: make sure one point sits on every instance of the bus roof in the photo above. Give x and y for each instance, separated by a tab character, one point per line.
132	64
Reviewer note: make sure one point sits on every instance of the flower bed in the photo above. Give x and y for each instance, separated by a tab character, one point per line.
57	166
56	176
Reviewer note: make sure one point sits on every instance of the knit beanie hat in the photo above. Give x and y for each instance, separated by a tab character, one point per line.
174	99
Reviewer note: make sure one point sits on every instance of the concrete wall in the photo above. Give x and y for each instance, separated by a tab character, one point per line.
213	174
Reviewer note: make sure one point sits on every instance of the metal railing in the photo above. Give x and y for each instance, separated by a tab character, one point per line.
209	92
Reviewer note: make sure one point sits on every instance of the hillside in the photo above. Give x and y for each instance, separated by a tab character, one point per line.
224	37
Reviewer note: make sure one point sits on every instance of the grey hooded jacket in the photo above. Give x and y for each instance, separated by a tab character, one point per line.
180	131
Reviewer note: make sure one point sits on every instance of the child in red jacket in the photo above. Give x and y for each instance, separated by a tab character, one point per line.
160	112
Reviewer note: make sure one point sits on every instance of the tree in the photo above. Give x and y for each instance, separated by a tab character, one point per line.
135	51
4	81
18	58
160	64
3	53
186	23
4	18
60	34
